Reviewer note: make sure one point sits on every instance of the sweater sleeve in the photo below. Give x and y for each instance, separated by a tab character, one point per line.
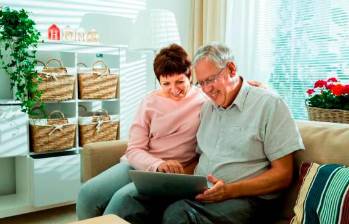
137	152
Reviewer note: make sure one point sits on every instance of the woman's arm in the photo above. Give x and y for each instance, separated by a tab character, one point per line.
137	152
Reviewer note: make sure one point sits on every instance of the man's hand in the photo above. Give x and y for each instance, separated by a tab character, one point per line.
257	84
215	193
171	166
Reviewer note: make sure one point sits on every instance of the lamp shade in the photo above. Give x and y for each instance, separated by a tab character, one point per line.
154	29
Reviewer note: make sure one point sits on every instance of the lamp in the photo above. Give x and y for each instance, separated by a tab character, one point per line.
154	29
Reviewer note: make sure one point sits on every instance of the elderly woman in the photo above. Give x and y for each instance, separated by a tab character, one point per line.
162	136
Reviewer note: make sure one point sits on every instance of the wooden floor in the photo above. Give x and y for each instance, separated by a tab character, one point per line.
61	215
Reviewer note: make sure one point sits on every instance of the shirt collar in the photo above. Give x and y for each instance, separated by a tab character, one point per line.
240	99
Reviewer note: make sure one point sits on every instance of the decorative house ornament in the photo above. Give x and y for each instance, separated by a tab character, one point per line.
68	33
80	34
53	32
92	36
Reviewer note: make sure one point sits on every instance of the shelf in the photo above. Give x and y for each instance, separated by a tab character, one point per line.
83	44
53	153
52	178
97	100
79	47
81	100
60	101
9	102
12	204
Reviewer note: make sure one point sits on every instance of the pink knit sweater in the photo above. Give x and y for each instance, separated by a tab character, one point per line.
164	129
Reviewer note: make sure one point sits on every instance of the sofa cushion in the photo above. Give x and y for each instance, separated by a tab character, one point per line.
324	194
324	143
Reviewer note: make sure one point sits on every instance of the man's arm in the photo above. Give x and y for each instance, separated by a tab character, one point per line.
278	177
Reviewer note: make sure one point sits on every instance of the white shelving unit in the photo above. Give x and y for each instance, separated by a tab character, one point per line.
32	181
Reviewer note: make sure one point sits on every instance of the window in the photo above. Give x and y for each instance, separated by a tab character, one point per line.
294	43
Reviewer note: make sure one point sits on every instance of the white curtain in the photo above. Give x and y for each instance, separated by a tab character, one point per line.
209	22
249	35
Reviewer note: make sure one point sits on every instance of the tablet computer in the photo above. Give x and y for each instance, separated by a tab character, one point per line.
157	184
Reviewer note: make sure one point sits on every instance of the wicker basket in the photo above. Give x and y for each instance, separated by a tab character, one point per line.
98	127
98	84
328	115
56	84
52	134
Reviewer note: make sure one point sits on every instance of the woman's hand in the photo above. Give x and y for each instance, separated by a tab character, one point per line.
214	194
171	166
257	84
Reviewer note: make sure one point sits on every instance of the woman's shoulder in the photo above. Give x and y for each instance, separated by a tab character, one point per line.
152	98
155	98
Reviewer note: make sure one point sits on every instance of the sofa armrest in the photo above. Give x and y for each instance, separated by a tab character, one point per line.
99	156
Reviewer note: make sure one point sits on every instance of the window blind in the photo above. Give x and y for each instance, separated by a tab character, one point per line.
311	42
295	43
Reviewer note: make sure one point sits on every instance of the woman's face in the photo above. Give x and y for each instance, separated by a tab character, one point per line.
175	86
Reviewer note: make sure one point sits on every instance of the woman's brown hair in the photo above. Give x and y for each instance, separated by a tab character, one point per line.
172	60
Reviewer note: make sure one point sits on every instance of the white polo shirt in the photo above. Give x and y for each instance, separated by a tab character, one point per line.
241	140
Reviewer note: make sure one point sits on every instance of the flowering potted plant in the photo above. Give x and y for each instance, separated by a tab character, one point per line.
328	100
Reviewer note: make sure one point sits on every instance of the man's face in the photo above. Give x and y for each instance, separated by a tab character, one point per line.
214	81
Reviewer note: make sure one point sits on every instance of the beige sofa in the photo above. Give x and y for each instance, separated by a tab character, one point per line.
324	143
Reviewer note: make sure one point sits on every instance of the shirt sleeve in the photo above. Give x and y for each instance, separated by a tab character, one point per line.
282	135
137	152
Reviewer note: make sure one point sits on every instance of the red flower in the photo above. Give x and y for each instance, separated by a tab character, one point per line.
320	83
332	79
310	91
329	85
337	89
346	89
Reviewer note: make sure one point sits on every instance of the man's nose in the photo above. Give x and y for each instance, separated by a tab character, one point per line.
207	87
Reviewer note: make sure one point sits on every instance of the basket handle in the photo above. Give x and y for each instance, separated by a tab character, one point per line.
81	64
105	66
56	112
59	62
100	110
83	107
40	62
82	112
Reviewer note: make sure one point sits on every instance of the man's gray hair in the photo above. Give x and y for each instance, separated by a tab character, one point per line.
218	53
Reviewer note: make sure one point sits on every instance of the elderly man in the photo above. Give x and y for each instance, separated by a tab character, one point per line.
246	139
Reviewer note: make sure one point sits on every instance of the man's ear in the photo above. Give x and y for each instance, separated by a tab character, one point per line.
232	68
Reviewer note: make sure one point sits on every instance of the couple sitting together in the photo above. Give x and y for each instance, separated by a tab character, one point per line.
242	139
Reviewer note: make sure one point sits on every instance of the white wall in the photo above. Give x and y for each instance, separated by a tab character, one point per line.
114	20
71	12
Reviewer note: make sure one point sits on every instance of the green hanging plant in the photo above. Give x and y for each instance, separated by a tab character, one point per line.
18	41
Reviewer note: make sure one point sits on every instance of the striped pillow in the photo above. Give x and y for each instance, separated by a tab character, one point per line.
323	196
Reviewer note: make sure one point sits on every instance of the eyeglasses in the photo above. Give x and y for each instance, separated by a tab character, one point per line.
210	80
